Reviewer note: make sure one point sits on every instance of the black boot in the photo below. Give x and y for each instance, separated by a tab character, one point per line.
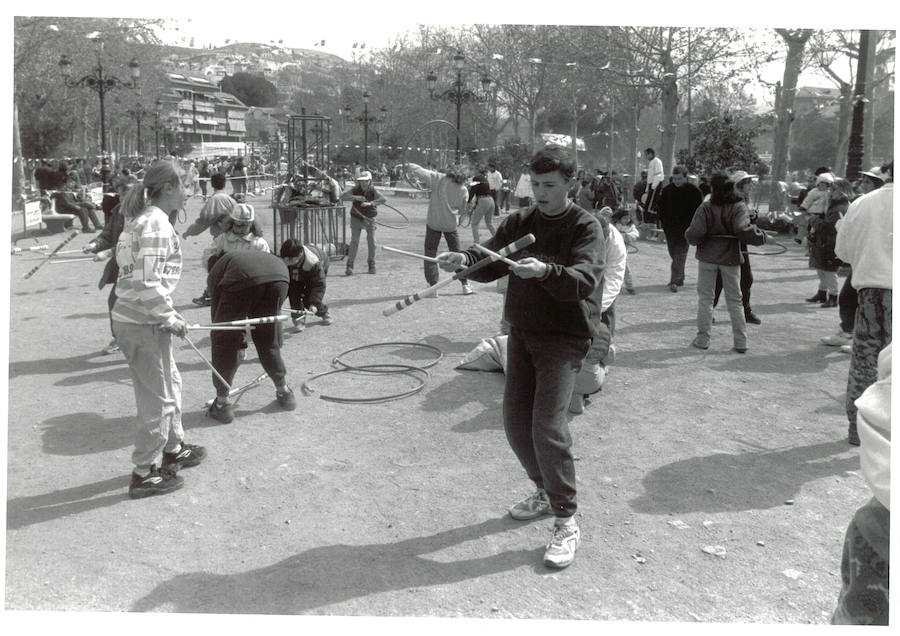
831	301
820	297
751	318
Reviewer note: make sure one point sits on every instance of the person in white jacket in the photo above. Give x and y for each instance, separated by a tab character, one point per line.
523	191
865	563
865	242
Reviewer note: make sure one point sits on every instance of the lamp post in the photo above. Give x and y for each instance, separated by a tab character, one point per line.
99	82
459	94
365	119
138	112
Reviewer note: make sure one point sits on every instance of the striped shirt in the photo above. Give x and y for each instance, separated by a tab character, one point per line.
149	258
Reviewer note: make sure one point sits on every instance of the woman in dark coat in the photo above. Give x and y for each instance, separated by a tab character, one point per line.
822	237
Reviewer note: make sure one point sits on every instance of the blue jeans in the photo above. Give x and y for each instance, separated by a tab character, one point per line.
356	228
432	241
540	377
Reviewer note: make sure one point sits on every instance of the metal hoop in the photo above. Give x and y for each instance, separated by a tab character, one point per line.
440	354
405	369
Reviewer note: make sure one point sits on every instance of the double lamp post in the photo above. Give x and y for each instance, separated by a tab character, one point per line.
366	119
459	94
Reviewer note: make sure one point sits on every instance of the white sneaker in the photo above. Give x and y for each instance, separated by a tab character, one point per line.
467	289
838	339
533	506
564	541
112	347
847	348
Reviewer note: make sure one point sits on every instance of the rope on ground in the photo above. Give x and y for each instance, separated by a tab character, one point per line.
403	369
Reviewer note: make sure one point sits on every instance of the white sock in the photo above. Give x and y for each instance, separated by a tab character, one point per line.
141	472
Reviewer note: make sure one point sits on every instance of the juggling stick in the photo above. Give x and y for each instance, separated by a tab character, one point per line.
525	241
33	248
70	252
238	392
57	261
494	255
430	259
250	321
208	363
46	260
216	327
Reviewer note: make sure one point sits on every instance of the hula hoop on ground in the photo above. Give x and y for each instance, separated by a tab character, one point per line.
394	227
440	354
404	369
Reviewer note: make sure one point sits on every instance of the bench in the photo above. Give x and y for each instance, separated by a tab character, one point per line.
57	223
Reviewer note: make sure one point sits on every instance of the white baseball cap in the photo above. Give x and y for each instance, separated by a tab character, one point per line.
243	212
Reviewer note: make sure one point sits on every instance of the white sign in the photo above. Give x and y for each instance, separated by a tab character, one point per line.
565	141
32	213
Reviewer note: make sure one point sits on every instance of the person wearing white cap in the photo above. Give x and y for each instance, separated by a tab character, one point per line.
815	202
362	217
240	233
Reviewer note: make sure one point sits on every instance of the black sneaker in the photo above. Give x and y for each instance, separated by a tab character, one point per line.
371	269
189	455
752	318
223	412
159	482
203	300
286	399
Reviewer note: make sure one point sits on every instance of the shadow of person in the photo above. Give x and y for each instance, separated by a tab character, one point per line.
25	511
72	365
726	482
332	574
86	433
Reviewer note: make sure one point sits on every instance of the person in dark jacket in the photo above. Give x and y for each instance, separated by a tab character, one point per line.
822	236
717	228
306	290
552	312
247	284
677	203
362	217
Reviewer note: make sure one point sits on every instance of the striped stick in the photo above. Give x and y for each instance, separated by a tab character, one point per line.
494	255
33	248
241	389
216	327
70	252
57	261
47	260
250	321
430	259
525	241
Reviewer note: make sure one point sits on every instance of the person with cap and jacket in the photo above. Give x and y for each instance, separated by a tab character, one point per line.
815	202
362	217
239	233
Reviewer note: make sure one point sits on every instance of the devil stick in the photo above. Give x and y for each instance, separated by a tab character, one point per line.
46	260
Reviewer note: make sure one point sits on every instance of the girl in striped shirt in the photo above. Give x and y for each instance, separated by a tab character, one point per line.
144	319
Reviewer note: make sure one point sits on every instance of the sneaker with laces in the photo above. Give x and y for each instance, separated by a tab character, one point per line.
202	300
159	482
112	347
189	455
467	289
221	412
533	506
286	399
840	338
672	287
564	541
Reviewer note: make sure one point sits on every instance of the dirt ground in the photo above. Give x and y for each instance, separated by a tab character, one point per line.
398	509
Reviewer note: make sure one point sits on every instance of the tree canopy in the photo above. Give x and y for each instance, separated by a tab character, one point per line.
253	90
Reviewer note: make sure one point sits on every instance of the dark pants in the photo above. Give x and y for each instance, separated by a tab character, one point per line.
505	196
540	376
496	207
203	182
678	251
871	334
848	301
746	284
67	204
111	301
432	241
253	302
299	295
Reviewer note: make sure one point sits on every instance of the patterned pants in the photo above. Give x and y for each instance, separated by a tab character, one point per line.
872	333
865	568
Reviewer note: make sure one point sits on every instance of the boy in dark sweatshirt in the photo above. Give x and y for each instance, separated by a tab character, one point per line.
552	312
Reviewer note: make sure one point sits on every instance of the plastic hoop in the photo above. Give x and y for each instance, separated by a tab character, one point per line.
405	369
440	354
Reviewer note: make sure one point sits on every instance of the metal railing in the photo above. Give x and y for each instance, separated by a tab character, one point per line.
325	227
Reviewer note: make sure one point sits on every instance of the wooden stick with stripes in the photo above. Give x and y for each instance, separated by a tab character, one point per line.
47	259
515	246
250	321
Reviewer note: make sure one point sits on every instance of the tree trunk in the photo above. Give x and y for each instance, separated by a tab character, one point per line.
18	178
869	116
669	115
855	149
840	159
784	111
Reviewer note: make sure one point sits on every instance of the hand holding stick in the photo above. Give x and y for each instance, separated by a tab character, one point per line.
430	259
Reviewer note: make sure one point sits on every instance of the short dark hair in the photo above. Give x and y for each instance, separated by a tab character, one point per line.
679	170
822	170
888	166
722	190
290	248
651	151
218	181
552	159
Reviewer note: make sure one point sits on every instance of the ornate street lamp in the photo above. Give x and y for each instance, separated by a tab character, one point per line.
459	93
99	82
365	119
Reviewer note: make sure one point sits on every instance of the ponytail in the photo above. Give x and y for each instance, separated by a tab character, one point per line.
156	176
134	201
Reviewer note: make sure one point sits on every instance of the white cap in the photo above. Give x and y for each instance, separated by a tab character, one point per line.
875	173
365	175
243	212
739	175
825	177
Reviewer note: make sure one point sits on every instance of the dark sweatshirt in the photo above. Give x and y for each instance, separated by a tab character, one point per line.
677	205
236	271
562	301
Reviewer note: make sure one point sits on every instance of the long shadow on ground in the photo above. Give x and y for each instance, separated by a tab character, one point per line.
26	511
71	365
479	392
726	482
332	574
